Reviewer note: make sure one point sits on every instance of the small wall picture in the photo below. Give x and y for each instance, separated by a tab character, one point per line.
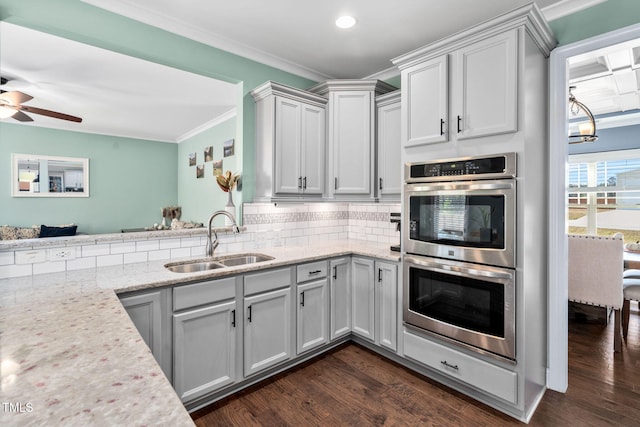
208	154
228	147
192	159
200	171
217	167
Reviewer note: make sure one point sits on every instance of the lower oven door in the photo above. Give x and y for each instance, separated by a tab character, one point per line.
470	303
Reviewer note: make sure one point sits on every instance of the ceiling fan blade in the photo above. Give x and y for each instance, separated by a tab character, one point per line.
21	117
15	97
49	113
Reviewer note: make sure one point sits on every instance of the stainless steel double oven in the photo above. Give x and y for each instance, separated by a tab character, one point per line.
459	250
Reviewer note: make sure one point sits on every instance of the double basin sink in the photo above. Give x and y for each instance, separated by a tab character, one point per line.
215	263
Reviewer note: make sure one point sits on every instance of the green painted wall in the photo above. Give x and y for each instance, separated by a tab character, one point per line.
602	18
200	197
129	180
82	22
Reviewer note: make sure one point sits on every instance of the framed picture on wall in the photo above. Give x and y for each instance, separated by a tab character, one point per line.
208	154
192	159
217	167
200	171
228	147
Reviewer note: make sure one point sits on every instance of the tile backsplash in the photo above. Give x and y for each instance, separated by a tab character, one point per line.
264	225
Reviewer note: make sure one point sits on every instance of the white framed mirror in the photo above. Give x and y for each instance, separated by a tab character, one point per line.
35	175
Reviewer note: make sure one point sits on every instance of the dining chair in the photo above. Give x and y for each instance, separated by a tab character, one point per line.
630	292
595	274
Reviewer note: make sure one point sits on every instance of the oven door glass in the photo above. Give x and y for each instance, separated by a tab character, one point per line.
465	302
458	219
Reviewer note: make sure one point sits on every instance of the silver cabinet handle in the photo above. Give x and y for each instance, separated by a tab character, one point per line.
380	183
335	183
335	272
304	183
302	299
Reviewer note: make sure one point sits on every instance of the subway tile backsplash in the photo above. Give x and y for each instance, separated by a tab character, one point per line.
264	225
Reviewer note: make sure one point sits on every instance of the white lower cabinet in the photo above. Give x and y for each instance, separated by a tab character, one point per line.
484	376
147	312
374	301
363	298
387	305
340	297
312	322
267	320
204	343
204	337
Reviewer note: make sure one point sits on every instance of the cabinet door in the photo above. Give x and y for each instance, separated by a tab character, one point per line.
487	79
204	343
425	96
340	297
312	324
389	148
313	149
363	298
288	176
387	305
351	141
267	335
145	311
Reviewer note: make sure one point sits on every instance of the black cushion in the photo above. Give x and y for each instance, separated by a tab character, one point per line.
69	230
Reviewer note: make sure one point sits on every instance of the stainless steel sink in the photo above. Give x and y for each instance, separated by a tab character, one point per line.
233	260
193	266
214	263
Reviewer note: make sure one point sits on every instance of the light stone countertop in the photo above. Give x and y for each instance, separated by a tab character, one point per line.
71	355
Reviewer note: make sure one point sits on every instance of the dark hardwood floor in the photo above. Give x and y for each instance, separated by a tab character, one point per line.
352	386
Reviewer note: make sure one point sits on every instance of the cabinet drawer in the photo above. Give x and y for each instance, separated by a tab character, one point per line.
203	293
267	281
313	270
489	378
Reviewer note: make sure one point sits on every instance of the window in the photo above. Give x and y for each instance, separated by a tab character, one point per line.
604	193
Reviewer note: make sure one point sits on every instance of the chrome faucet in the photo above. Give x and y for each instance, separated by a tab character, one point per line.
211	246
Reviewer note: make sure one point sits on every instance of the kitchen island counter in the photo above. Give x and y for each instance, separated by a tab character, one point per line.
71	355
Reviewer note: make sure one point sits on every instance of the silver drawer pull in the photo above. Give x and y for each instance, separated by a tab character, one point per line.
315	272
448	365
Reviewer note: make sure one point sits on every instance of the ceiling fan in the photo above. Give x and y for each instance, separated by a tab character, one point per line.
11	106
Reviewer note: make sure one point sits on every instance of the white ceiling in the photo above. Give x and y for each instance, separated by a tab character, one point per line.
114	94
123	96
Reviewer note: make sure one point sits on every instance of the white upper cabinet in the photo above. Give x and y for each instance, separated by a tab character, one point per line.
299	147
470	92
388	136
290	143
426	112
486	78
351	139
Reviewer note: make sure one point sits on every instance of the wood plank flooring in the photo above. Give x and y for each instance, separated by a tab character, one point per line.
352	386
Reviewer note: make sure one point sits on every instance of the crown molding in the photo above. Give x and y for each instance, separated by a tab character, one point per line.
207	125
377	86
567	7
387	74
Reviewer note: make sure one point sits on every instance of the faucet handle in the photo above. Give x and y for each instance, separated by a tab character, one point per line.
236	229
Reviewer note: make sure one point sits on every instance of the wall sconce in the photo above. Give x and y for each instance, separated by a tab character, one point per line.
586	131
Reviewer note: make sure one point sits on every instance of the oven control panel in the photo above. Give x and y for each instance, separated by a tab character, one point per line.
489	167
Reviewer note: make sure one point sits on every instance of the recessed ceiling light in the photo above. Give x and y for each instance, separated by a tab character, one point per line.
345	21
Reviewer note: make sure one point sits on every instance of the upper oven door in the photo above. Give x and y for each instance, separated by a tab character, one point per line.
470	221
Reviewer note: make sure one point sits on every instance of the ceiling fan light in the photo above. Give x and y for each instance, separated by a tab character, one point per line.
6	112
345	22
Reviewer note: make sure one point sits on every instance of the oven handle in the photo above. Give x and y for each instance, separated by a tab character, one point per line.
415	187
442	268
